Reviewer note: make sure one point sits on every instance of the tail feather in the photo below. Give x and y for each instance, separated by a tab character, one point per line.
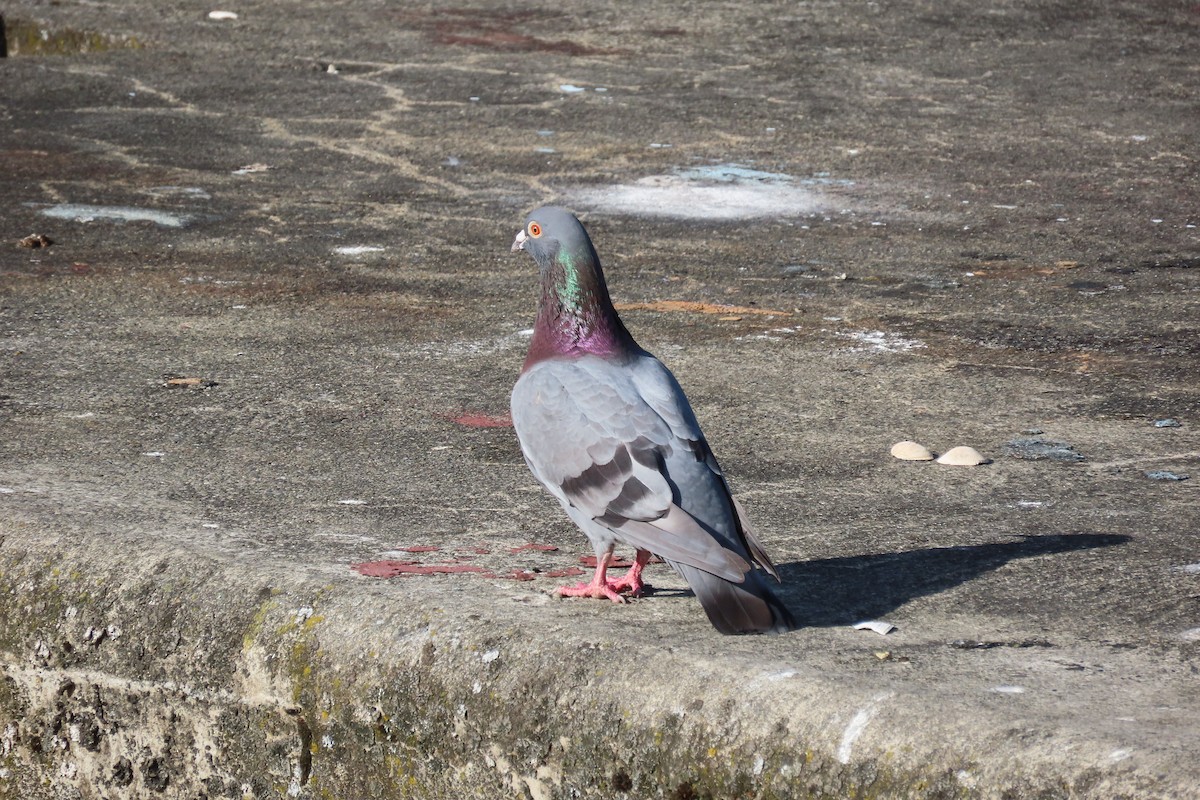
757	554
736	608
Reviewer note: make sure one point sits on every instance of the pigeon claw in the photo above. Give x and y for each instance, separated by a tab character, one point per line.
602	588
629	584
598	591
632	581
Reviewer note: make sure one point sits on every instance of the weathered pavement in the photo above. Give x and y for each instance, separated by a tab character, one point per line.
208	417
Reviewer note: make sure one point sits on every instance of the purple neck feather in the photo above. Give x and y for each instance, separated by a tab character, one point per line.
575	314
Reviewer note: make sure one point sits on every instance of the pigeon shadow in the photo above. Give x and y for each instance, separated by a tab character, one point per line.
843	591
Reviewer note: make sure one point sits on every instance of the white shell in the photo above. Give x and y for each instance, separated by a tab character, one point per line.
911	451
962	456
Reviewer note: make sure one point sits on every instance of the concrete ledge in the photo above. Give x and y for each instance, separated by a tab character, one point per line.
176	675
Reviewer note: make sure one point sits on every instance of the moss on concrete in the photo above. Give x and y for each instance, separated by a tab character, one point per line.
288	691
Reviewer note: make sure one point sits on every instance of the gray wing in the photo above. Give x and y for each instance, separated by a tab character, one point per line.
662	392
600	435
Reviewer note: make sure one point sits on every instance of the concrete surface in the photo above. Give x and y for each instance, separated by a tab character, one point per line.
221	415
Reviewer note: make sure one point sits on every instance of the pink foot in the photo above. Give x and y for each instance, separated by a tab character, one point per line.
598	591
603	589
632	581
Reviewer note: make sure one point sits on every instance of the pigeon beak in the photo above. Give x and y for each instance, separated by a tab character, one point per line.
519	242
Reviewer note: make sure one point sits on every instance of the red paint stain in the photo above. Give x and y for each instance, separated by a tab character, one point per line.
519	575
526	575
392	569
471	27
519	43
478	419
545	548
445	569
380	569
590	561
563	573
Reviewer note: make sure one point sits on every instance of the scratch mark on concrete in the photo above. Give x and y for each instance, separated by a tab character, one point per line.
858	724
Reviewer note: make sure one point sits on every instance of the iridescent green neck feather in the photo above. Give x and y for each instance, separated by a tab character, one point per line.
576	315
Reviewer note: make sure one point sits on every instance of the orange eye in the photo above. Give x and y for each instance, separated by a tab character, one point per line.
535	230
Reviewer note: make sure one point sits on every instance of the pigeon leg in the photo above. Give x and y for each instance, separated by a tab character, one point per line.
599	587
632	581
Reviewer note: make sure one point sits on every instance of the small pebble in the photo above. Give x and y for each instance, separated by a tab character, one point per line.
1165	475
962	456
911	451
1167	423
35	240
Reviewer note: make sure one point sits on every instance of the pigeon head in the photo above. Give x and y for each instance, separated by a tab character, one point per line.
575	312
552	233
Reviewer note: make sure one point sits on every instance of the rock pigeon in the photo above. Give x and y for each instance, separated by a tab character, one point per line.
605	427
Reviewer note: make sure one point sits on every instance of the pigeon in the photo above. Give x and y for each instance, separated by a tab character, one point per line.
606	428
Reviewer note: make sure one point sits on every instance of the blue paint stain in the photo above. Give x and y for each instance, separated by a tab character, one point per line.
1165	475
89	213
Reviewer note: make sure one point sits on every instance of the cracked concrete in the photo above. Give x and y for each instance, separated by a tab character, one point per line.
264	531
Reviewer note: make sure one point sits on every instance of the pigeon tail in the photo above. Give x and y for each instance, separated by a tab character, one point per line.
757	554
738	608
